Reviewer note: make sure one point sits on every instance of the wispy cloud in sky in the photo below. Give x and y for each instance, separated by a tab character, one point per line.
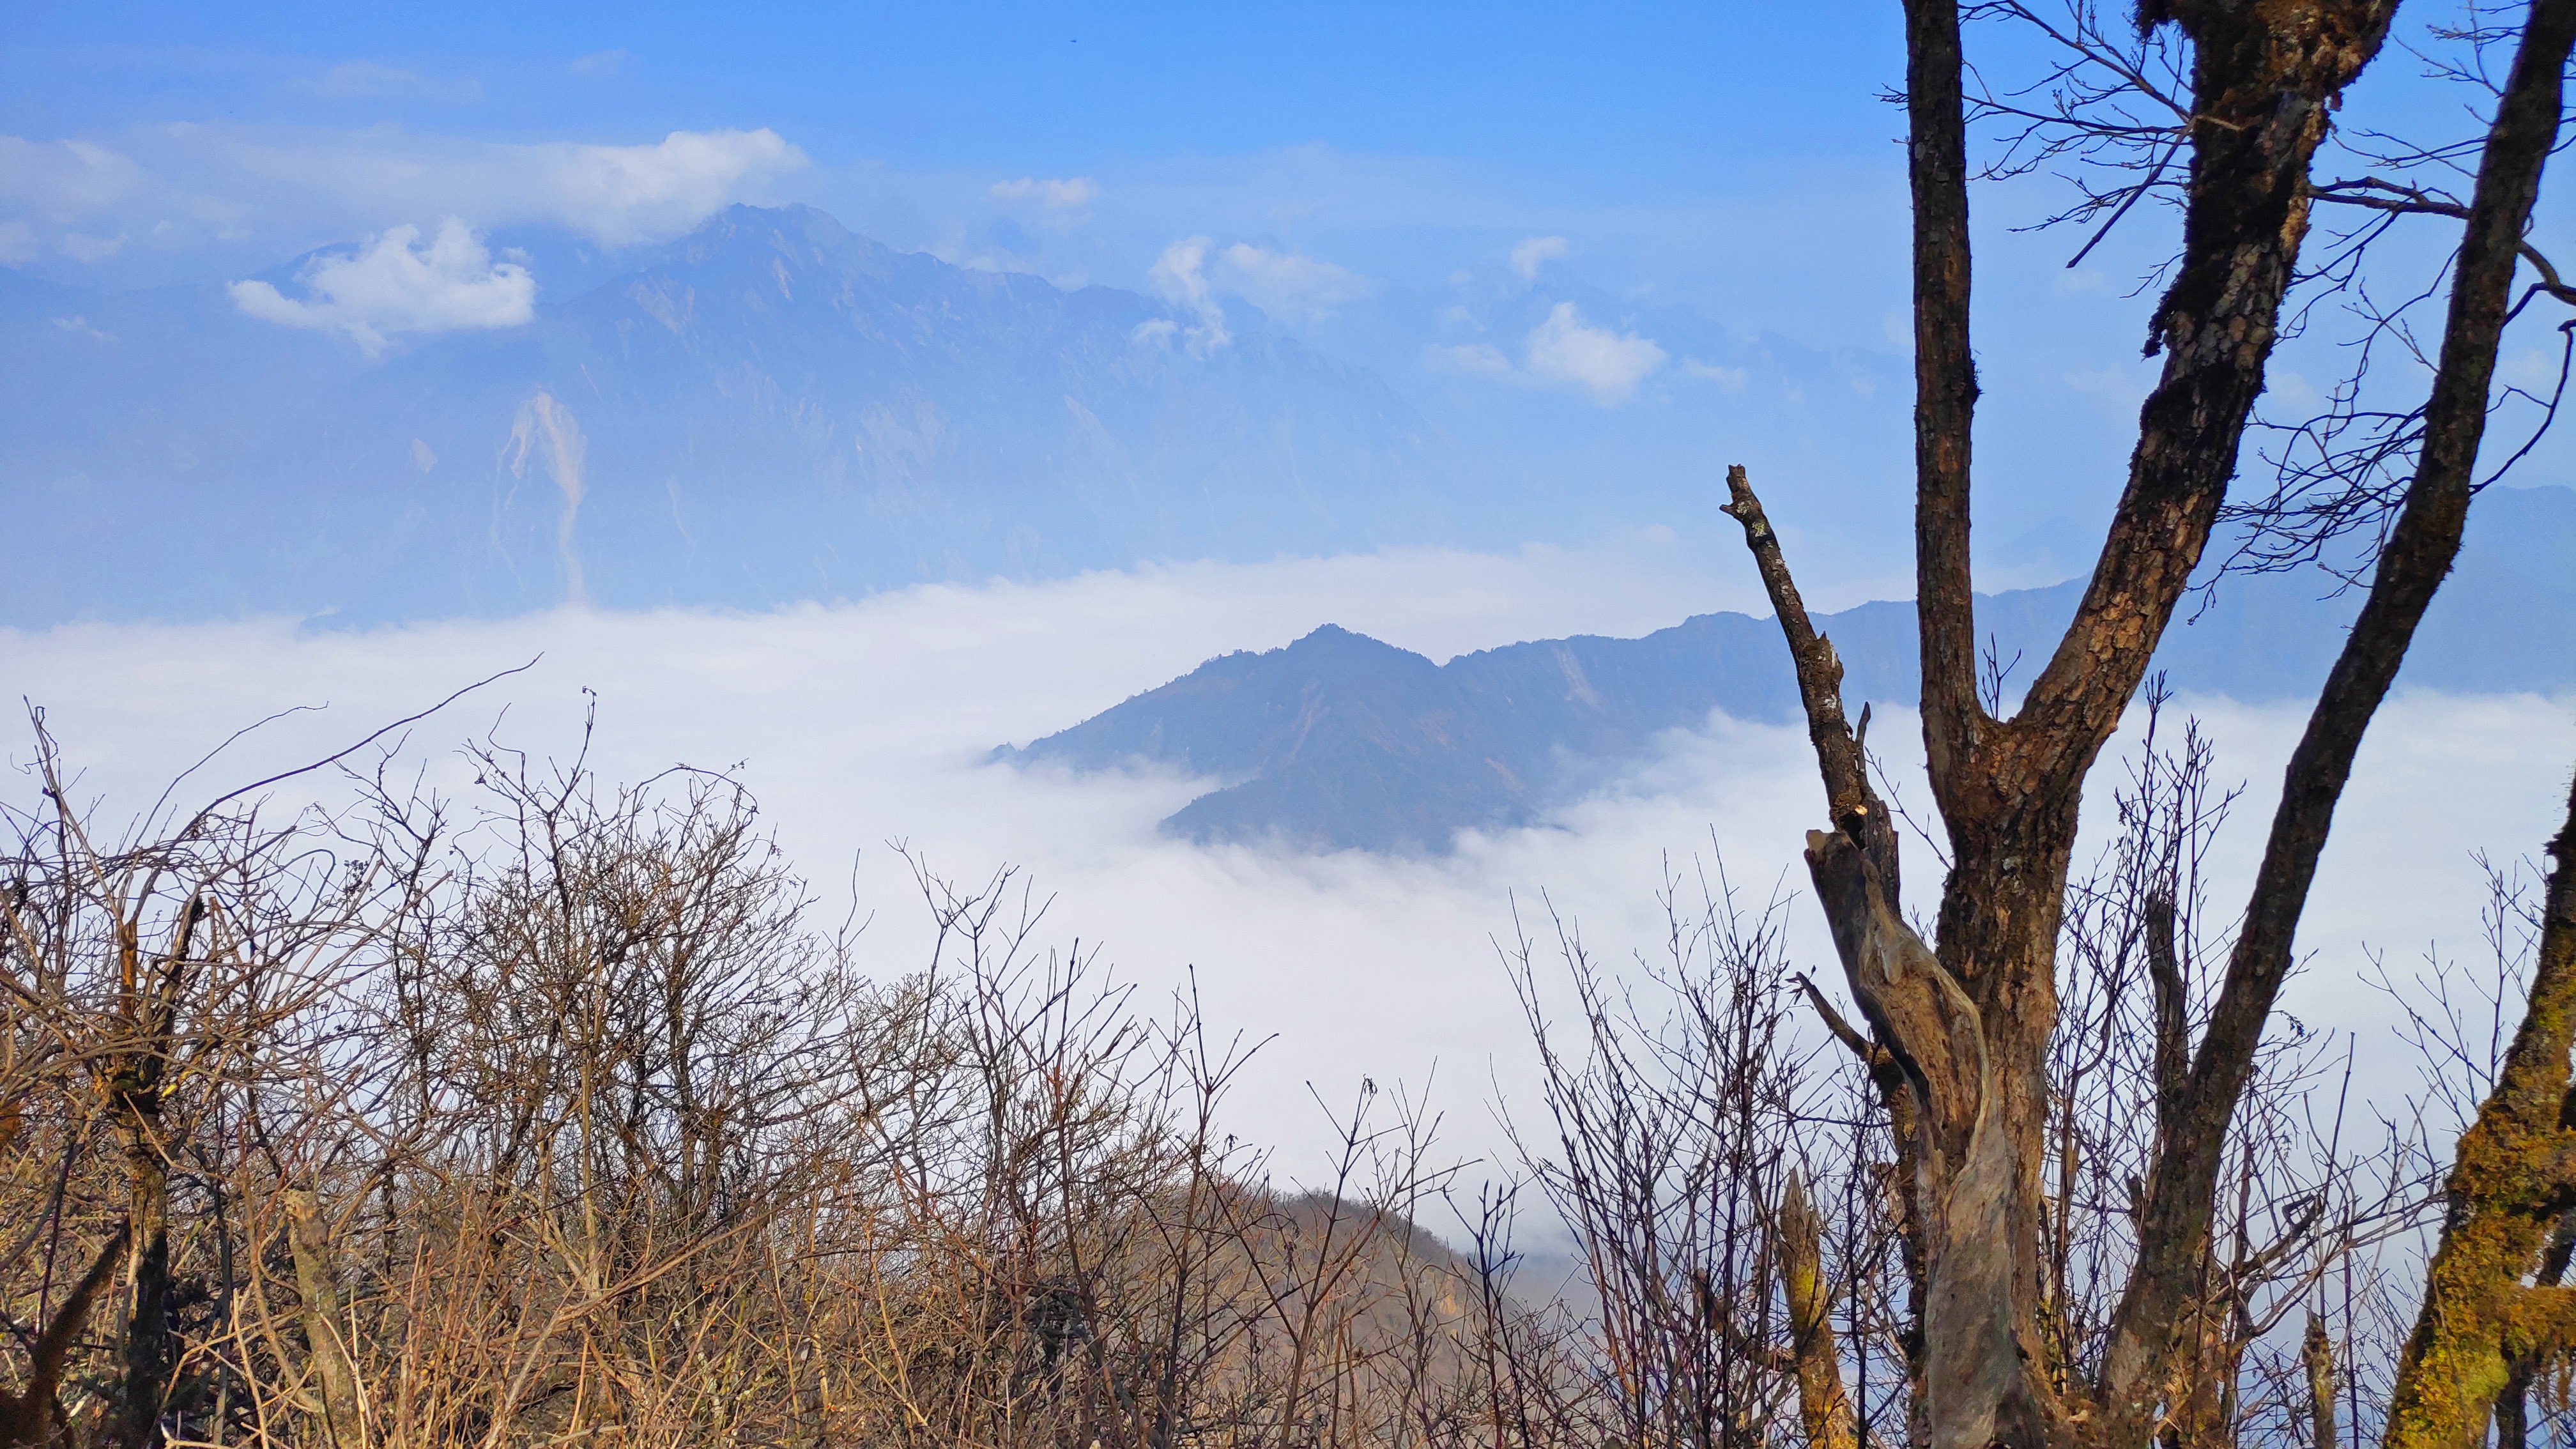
1565	351
1179	276
1060	194
369	80
1291	285
184	186
1537	252
1604	362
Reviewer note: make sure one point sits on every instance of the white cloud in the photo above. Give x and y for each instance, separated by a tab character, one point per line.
1731	379
1179	276
915	685
1291	285
67	182
189	186
366	79
600	63
1607	364
1565	351
942	674
81	247
1287	285
1055	204
390	286
625	194
1476	359
1537	252
1072	193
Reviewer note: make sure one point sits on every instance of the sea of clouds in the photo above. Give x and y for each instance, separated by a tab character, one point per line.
862	724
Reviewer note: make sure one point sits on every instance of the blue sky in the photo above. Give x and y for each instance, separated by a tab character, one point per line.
1409	140
1730	169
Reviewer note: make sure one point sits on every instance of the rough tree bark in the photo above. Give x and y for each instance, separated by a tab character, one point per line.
147	1020
2513	1179
1969	1023
2316	1355
308	1239
2174	1231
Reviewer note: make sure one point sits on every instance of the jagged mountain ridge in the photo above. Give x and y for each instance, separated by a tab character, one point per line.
1338	741
773	408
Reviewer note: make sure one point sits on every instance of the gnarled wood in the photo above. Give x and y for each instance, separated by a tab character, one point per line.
2316	1356
1971	1372
2513	1178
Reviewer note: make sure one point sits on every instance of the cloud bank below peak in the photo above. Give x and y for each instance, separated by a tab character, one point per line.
912	684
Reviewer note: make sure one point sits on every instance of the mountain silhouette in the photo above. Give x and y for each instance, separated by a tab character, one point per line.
1338	741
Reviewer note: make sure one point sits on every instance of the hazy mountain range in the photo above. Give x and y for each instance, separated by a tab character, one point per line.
772	408
1340	741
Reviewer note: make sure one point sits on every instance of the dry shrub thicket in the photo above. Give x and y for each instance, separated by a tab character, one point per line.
554	1115
567	1122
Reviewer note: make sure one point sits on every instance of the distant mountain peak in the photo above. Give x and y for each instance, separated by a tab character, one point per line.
1333	639
776	408
799	232
1339	741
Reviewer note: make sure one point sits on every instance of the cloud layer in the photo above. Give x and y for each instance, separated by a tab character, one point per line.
864	723
1529	256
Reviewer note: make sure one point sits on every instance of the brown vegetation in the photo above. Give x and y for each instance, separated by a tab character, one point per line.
550	1116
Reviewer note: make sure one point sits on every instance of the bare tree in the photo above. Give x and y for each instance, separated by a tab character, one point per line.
1969	1017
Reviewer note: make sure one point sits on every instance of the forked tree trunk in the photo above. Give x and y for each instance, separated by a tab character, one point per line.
1969	1024
147	1021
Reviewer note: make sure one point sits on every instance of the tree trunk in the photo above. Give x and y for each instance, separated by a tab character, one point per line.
1824	1410
2316	1355
308	1237
147	1022
2513	1178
